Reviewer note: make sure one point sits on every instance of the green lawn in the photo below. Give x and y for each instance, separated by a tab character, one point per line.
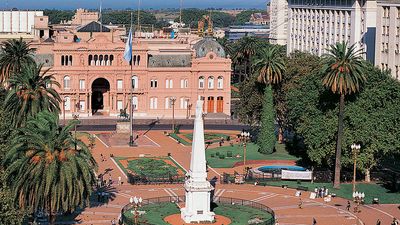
214	137
371	190
117	160
155	213
241	214
251	154
152	167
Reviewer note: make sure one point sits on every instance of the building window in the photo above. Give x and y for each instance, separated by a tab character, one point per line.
153	103
82	105
82	84
169	83
67	83
153	83
184	83
135	103
167	102
201	82
135	82
210	82
220	82
119	105
119	84
67	103
184	102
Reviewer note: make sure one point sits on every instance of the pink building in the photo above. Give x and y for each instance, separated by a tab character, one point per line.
87	61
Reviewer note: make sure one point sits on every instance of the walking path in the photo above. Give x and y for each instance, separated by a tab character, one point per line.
282	201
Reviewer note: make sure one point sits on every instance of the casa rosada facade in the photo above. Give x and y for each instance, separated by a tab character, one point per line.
167	75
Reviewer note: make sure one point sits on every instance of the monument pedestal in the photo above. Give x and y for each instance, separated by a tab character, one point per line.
123	127
197	205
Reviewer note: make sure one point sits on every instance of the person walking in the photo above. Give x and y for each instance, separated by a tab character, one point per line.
378	222
300	204
395	222
113	222
314	221
119	180
348	206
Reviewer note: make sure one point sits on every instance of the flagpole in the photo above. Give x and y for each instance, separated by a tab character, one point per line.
138	18
131	139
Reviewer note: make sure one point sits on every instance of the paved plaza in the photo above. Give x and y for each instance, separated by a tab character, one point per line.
282	201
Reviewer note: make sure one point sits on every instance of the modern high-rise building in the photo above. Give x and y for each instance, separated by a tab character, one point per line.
388	36
278	21
316	24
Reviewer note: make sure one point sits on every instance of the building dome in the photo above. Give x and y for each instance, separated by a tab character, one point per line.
206	45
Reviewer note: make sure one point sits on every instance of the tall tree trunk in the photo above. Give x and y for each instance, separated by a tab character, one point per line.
368	175
336	182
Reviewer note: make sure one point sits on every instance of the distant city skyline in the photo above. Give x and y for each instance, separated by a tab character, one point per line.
123	4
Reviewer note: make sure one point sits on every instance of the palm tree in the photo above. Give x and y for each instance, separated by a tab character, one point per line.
246	50
344	69
13	55
270	67
31	92
45	170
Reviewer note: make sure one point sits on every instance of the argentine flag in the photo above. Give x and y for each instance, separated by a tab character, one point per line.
128	47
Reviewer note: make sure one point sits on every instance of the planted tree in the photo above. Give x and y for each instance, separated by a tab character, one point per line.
46	171
14	54
31	92
270	66
344	69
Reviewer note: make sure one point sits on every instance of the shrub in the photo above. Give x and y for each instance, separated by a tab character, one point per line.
221	156
229	154
212	155
217	153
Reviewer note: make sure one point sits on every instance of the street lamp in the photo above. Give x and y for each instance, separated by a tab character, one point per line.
76	117
136	202
173	100
244	138
355	149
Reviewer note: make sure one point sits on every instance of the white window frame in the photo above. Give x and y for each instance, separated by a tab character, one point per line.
67	103
67	82
220	82
82	84
210	82
135	82
201	82
120	84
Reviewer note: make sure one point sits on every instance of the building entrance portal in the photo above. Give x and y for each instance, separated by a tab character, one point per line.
100	95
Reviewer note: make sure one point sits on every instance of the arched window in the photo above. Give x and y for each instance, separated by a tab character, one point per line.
138	60
135	82
70	60
111	59
184	102
62	60
90	60
210	82
96	60
153	83
184	83
201	82
101	59
67	83
67	103
106	59
134	60
220	84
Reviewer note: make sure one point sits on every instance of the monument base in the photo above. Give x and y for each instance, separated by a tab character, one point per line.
197	217
123	127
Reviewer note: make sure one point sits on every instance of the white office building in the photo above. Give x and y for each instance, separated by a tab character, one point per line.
279	21
387	55
316	24
18	21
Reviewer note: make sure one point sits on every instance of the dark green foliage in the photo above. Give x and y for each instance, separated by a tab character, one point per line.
14	54
191	17
152	168
244	16
229	154
267	138
123	17
56	16
251	98
31	92
221	156
47	168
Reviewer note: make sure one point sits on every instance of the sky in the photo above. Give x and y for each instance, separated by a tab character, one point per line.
123	4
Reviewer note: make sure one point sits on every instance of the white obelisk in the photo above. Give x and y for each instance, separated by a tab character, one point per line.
198	189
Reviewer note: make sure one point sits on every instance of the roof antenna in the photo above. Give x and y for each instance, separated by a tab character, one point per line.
101	16
180	14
